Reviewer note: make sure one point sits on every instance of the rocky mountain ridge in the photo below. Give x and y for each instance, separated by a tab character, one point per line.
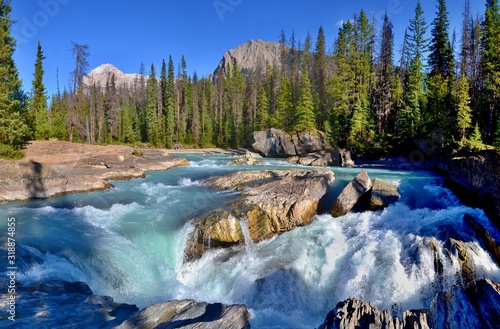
101	74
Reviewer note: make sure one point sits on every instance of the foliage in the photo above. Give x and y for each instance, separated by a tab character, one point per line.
10	153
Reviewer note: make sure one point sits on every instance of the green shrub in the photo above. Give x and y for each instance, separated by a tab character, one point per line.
10	153
137	152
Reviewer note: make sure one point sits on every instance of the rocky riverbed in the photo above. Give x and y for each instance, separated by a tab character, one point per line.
52	168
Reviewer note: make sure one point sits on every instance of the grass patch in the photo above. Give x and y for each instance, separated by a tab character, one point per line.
10	153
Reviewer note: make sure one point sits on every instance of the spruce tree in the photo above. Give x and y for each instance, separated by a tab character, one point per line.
39	99
285	104
438	117
384	88
14	129
151	109
304	115
491	63
464	118
410	115
170	105
262	120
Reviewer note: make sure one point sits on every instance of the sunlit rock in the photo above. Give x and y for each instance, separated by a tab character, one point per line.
383	194
351	194
274	201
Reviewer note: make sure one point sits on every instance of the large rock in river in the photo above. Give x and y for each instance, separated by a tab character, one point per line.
189	314
277	143
273	202
351	194
383	194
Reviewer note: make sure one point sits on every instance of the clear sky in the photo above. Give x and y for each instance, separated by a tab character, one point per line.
126	33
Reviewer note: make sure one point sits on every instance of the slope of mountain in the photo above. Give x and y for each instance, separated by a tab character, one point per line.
99	76
251	55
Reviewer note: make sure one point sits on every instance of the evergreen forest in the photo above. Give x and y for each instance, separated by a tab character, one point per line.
366	95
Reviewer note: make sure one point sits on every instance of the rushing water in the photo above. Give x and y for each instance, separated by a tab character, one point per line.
128	243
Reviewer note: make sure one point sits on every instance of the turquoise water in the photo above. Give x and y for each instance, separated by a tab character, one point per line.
128	242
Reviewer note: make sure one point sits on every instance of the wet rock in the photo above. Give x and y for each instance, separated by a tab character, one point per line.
491	245
335	158
383	194
462	250
351	194
475	306
274	201
356	313
189	314
475	179
61	287
217	229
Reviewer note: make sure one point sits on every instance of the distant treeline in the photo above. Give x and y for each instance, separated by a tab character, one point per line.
359	95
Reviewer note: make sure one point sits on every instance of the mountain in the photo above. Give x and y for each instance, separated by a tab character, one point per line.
249	56
252	55
99	77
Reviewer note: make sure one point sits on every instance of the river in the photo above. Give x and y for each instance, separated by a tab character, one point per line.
128	243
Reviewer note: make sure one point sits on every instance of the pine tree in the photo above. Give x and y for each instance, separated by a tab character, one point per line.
151	109
320	78
464	118
441	56
384	98
39	99
409	117
170	105
262	120
304	115
285	105
14	129
491	63
465	53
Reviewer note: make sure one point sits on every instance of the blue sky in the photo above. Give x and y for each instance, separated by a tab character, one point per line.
126	33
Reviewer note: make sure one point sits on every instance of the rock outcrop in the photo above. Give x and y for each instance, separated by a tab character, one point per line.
73	305
475	306
273	202
351	194
55	168
383	194
357	313
475	179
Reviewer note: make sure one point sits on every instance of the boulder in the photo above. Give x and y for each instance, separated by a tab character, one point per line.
337	158
357	313
351	194
277	143
189	314
274	201
310	142
273	143
383	194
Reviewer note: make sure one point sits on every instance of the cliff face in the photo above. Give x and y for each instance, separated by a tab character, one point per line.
250	56
476	181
